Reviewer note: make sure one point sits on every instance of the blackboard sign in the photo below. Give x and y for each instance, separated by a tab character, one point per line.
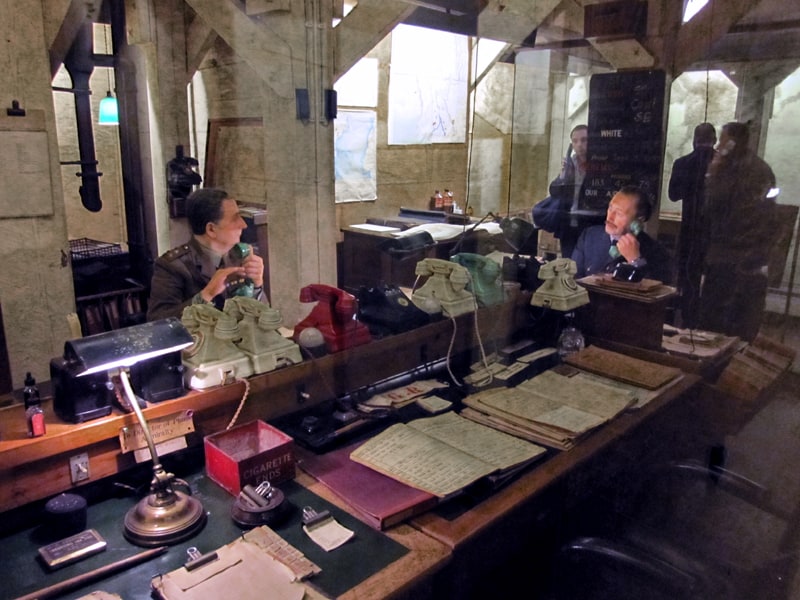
626	117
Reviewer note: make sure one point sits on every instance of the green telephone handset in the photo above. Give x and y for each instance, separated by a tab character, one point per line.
635	228
444	290
485	277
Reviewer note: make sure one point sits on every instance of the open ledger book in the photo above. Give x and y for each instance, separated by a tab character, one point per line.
444	454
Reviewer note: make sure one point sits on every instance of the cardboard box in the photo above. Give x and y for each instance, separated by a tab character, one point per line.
249	453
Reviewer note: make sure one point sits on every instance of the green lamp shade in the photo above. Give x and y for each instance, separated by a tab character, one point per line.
109	114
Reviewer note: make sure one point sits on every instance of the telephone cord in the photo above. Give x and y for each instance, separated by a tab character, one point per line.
490	376
241	403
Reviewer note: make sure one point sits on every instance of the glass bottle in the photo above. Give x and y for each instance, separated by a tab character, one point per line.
439	200
448	201
34	415
571	339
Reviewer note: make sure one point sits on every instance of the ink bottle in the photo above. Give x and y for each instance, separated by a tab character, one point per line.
34	415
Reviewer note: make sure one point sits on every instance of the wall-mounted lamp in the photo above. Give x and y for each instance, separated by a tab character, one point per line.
109	112
165	515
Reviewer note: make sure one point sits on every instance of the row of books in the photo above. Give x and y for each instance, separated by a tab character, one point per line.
111	312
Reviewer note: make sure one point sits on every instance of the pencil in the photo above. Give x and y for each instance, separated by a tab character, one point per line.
99	573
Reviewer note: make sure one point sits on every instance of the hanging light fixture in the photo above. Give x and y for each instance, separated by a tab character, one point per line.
109	111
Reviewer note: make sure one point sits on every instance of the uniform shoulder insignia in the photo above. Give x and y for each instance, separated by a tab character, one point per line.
176	252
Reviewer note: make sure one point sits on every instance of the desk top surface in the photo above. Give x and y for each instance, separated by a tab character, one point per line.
457	531
371	565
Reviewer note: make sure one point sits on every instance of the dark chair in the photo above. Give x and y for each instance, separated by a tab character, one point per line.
694	533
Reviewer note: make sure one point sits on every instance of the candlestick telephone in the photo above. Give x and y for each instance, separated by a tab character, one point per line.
445	288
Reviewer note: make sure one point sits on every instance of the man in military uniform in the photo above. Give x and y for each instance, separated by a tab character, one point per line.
198	272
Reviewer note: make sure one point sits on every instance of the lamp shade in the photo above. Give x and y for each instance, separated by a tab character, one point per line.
109	113
126	347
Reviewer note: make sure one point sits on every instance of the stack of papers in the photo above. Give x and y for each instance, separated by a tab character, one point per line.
552	409
400	397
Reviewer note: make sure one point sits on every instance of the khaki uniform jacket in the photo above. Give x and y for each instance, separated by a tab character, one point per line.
178	276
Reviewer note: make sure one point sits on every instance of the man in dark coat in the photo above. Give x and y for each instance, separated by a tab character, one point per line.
600	248
687	184
740	214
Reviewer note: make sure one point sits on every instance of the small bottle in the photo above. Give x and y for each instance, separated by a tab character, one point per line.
448	201
571	339
439	201
34	415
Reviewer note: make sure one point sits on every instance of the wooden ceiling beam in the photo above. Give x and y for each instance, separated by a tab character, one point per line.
361	30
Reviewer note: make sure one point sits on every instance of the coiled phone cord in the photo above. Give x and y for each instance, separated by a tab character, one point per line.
241	403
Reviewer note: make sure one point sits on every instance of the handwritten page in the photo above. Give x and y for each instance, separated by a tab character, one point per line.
492	446
581	394
571	420
443	454
420	461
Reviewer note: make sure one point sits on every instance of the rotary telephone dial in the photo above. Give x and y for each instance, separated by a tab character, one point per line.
559	290
445	288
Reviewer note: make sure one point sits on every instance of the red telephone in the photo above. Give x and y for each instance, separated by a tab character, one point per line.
334	316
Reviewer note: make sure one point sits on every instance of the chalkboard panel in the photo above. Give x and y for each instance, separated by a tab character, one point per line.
626	117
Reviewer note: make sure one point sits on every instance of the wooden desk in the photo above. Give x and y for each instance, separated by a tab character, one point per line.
489	534
412	575
402	562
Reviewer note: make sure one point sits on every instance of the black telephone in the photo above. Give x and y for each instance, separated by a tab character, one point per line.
386	310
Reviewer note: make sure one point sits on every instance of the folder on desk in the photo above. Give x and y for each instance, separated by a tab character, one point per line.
380	500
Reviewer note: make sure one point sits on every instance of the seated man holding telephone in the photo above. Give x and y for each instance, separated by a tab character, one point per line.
622	241
213	264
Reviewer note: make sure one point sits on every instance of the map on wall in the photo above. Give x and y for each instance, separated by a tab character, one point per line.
427	87
354	150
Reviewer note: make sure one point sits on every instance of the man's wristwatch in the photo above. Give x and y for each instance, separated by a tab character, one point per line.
639	262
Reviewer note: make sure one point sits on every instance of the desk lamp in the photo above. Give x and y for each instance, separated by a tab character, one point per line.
165	515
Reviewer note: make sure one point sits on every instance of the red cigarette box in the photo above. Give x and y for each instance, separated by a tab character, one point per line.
250	453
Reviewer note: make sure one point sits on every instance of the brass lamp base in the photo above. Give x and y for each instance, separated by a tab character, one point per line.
163	519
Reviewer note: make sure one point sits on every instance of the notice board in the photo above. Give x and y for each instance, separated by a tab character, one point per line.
25	168
626	136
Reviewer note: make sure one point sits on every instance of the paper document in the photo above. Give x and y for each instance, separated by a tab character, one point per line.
443	454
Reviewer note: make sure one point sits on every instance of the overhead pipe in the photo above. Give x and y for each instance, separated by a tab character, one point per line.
79	63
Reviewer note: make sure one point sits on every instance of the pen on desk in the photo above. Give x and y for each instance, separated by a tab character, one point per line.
100	572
